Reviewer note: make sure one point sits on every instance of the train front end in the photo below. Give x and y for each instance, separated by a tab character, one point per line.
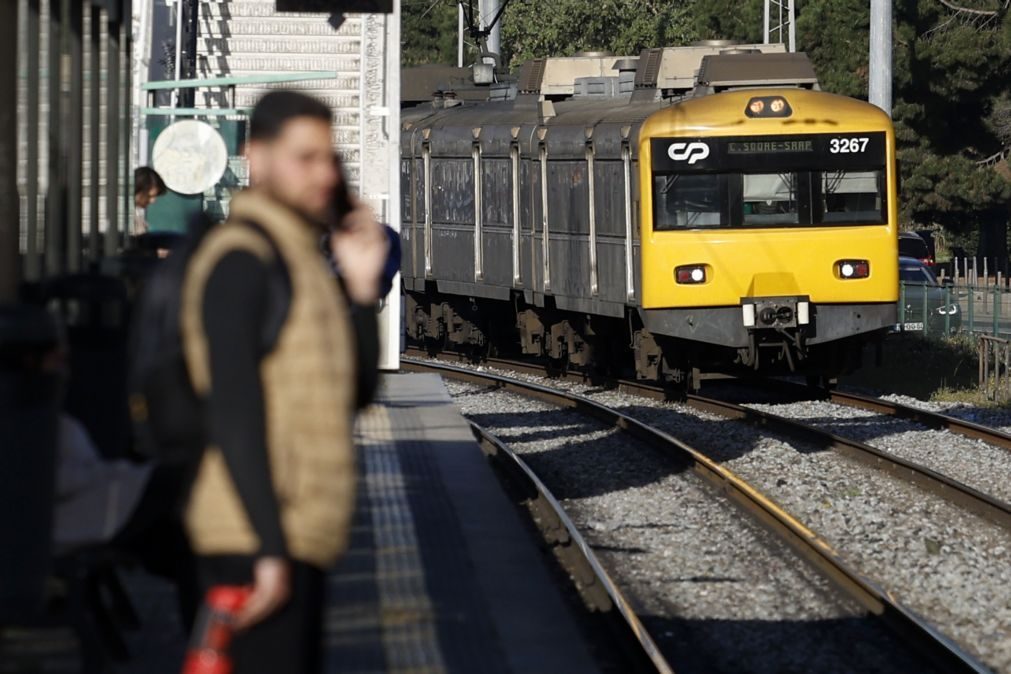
768	230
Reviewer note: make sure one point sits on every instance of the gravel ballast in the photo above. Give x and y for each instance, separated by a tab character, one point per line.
947	565
717	592
973	462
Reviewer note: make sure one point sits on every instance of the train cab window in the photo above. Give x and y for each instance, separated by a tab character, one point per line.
770	199
852	197
687	201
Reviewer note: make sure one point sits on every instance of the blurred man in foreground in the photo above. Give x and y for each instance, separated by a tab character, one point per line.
270	347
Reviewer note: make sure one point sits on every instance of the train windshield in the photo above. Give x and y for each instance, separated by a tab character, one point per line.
769	181
796	198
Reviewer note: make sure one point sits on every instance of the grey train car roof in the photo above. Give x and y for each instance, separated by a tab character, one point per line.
566	123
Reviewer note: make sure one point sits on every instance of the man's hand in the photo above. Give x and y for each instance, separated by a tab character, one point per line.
271	589
360	247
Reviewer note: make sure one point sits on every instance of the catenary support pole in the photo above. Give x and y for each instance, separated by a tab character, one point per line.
489	8
880	85
459	35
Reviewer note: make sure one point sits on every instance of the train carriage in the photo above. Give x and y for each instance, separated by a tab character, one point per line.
696	209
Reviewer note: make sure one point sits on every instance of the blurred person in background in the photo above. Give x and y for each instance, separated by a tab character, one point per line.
269	342
147	187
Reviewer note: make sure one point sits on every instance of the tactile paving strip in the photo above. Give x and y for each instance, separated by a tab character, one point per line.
404	598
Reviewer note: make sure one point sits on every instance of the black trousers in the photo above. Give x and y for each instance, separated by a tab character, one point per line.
289	641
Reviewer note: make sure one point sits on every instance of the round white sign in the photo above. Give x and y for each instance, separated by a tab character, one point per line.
190	156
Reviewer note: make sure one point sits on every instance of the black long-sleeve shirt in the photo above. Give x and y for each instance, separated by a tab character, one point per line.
246	302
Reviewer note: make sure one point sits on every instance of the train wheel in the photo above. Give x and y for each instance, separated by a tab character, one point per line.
822	381
435	345
556	367
678	381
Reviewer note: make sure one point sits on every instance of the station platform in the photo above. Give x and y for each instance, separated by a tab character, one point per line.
442	574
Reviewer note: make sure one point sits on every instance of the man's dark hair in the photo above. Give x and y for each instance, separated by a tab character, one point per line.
145	178
277	108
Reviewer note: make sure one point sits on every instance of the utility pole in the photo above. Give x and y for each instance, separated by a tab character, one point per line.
880	84
489	12
10	217
459	35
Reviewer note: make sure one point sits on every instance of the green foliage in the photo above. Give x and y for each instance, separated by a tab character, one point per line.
429	32
537	28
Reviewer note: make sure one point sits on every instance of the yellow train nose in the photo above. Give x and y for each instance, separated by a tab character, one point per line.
773	284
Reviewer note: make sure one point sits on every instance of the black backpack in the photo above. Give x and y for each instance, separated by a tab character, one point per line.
166	412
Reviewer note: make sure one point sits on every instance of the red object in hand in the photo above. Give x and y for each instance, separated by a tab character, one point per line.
208	652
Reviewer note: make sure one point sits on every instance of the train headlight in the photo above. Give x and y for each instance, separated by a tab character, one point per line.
852	269
690	274
768	106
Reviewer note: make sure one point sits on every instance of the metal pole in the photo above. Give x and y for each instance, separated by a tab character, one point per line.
113	112
765	32
125	127
10	216
33	267
178	65
75	137
792	15
94	132
880	85
495	36
459	39
189	69
56	188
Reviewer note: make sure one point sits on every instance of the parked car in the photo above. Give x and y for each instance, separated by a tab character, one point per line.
921	290
913	245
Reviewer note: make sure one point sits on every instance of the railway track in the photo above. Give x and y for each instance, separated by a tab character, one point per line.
596	585
964	496
876	601
931	420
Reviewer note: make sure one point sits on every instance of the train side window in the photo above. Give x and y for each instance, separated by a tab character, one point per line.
496	174
568	196
609	195
453	181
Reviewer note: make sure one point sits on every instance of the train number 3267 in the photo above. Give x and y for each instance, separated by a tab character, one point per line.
848	145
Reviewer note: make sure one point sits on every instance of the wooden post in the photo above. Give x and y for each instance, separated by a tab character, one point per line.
1007	362
10	207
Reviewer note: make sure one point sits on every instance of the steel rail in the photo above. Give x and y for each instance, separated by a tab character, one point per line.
928	418
934	420
990	508
941	649
962	495
518	468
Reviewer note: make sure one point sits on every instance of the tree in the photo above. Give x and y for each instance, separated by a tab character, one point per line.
428	32
533	29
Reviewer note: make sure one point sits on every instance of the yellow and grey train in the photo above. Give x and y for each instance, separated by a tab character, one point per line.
695	209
